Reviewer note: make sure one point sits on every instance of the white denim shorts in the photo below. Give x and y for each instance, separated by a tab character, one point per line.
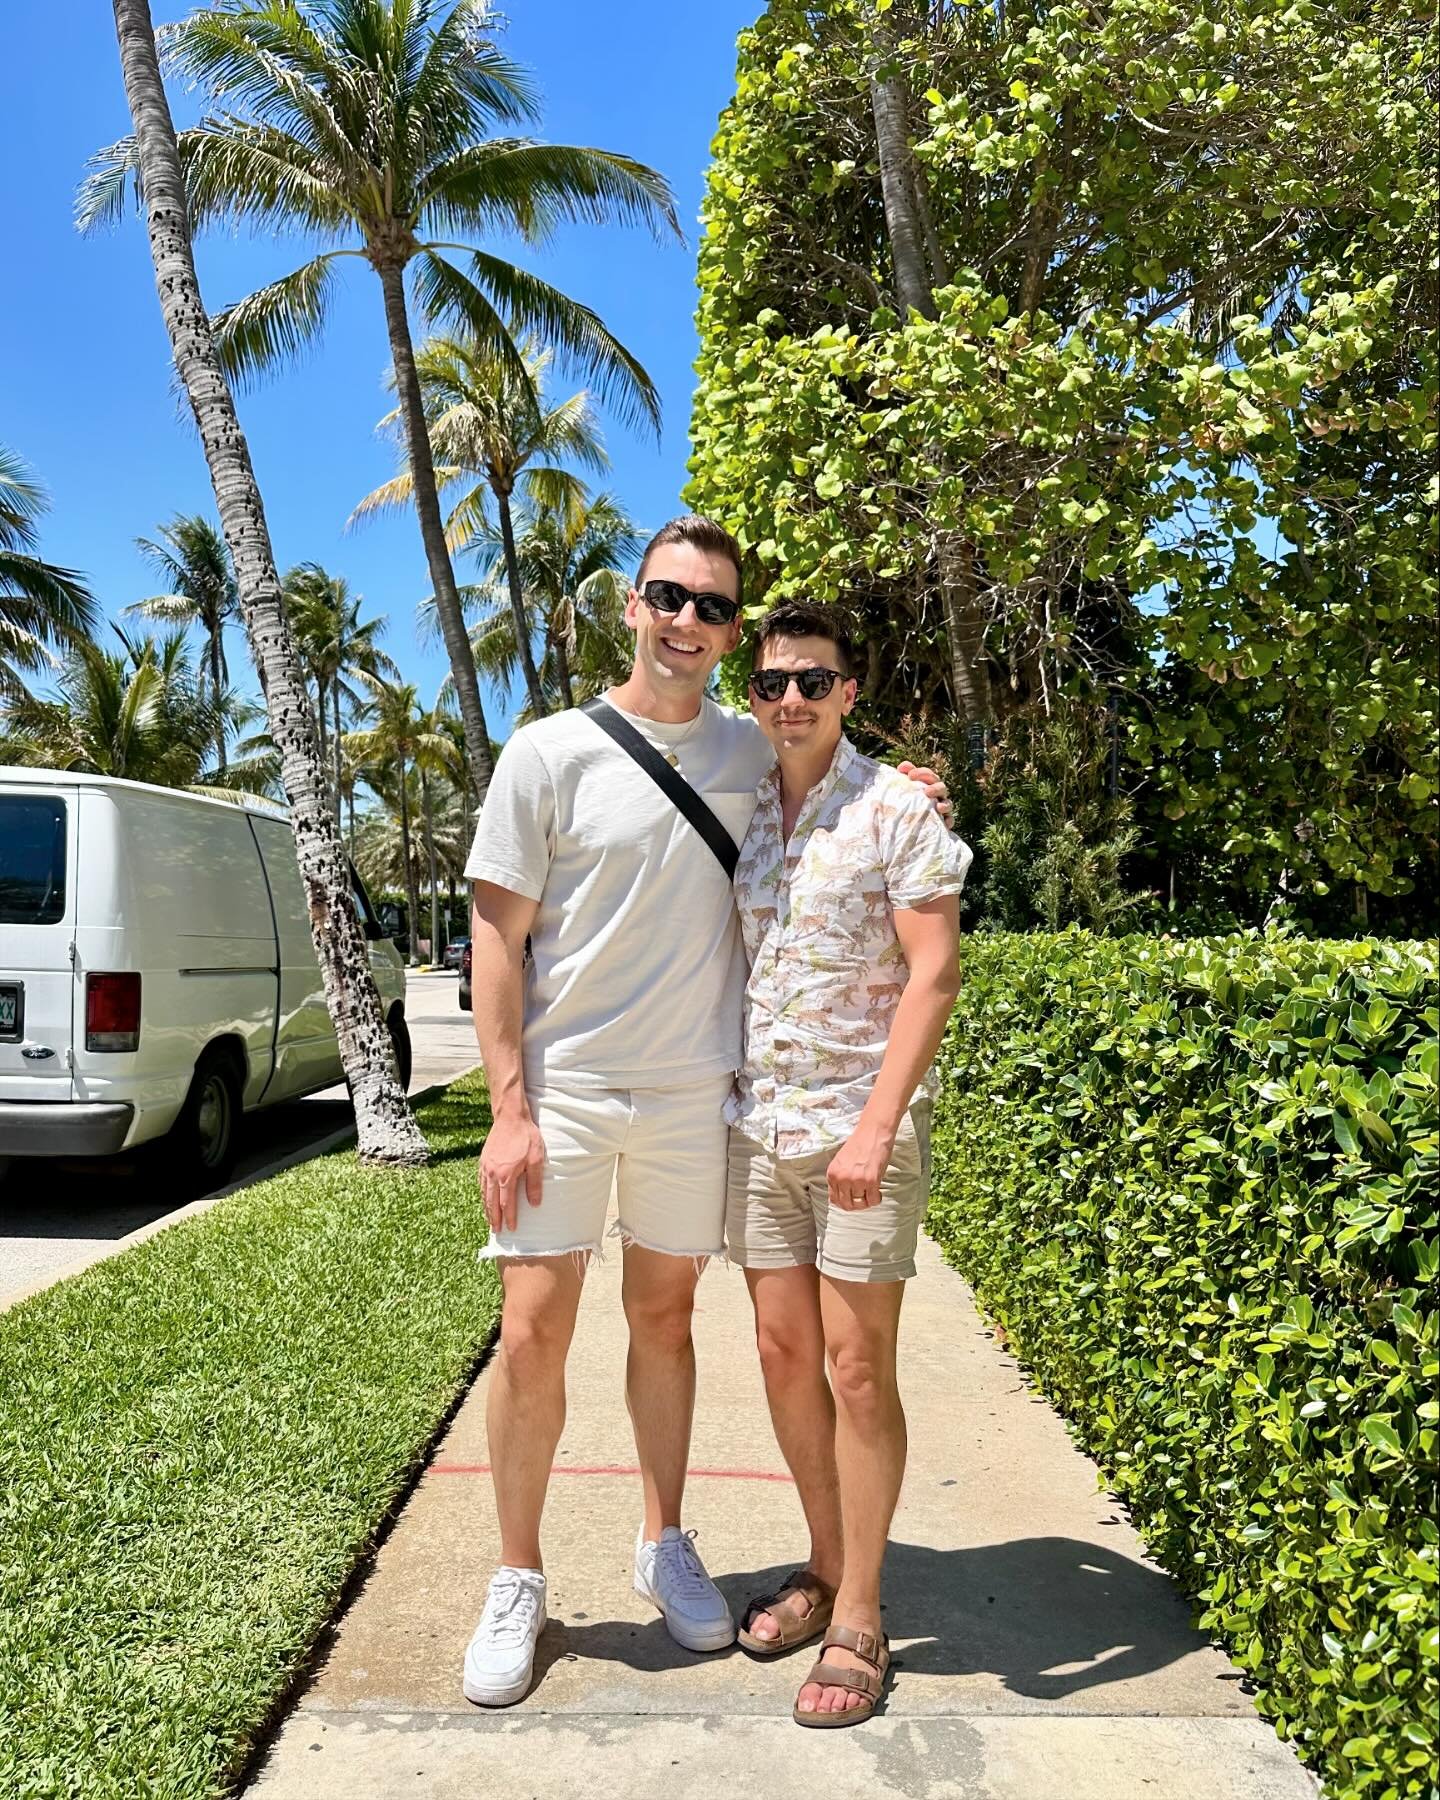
661	1151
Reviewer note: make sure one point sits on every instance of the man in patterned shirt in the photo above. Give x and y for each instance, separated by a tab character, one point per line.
848	889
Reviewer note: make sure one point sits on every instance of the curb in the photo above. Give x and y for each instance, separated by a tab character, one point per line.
288	1160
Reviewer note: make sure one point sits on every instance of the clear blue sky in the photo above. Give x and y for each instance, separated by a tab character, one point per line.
87	389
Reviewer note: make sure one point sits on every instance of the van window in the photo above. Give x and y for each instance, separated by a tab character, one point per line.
32	859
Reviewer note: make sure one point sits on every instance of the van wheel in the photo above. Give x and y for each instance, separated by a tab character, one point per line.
205	1139
400	1042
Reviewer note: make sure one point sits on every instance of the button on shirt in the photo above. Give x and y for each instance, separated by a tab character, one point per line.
826	968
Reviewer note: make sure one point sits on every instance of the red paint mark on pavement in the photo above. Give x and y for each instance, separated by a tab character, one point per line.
616	1469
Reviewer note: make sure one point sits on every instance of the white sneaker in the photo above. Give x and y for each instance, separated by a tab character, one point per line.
501	1655
672	1577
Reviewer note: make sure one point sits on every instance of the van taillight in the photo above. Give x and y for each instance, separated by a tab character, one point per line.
112	1012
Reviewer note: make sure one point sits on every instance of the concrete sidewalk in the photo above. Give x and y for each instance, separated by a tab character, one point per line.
1038	1653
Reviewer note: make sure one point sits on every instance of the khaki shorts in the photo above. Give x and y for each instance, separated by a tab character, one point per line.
660	1151
778	1213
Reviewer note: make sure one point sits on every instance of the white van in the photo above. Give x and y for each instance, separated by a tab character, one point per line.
157	976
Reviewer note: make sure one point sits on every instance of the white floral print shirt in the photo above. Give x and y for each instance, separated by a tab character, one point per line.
826	968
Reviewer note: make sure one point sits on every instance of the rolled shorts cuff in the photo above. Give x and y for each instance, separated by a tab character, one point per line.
739	1258
903	1270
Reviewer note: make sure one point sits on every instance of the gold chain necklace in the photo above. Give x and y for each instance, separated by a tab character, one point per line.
668	751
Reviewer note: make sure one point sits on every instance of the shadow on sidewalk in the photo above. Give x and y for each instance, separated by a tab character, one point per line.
1051	1616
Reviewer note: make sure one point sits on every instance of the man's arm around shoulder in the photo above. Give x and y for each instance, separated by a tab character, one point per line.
513	1155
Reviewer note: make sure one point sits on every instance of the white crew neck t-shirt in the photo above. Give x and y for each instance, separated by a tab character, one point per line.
638	968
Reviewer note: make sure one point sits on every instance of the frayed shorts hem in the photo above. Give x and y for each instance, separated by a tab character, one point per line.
628	1238
493	1252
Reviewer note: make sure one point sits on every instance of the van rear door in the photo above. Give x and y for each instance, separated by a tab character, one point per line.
38	865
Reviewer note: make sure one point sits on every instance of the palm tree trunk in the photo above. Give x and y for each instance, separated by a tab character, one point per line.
320	726
889	106
434	868
412	891
517	606
386	1127
432	529
217	689
909	228
339	757
562	666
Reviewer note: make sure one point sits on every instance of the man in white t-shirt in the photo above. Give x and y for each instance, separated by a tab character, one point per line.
609	1057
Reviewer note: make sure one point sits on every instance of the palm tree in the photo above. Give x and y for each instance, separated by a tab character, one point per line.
385	1126
576	561
333	644
379	846
396	738
573	562
191	556
436	757
40	603
489	426
367	124
143	713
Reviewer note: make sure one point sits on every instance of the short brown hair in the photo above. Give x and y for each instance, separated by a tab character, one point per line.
703	534
806	618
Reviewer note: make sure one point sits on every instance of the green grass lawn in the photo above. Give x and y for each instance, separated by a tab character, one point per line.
198	1441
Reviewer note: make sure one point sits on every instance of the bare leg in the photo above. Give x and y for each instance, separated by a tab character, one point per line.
862	1321
659	1297
791	1342
525	1410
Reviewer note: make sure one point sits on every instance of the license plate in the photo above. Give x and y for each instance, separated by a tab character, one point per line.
9	1010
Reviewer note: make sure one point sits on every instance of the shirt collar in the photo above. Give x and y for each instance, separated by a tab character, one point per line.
769	788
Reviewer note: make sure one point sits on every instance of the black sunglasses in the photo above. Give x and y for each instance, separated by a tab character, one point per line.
670	597
814	684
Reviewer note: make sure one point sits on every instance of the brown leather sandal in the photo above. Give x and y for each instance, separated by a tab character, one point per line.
875	1651
795	1628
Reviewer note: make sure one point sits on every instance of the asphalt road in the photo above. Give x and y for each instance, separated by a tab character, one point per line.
55	1217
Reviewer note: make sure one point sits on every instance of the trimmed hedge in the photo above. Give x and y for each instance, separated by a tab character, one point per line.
1195	1182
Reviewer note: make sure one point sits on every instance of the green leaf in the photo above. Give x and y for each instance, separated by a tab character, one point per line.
1381	1433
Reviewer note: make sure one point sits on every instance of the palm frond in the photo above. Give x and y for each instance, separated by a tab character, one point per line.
276	323
398	494
494	287
517	184
22	501
46	593
555	490
463	84
569	429
177	609
475	601
469	519
111	186
266	59
444	293
242	171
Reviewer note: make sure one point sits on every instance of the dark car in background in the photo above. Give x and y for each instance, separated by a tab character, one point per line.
454	952
465	1001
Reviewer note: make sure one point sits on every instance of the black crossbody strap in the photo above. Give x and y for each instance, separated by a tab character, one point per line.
669	780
